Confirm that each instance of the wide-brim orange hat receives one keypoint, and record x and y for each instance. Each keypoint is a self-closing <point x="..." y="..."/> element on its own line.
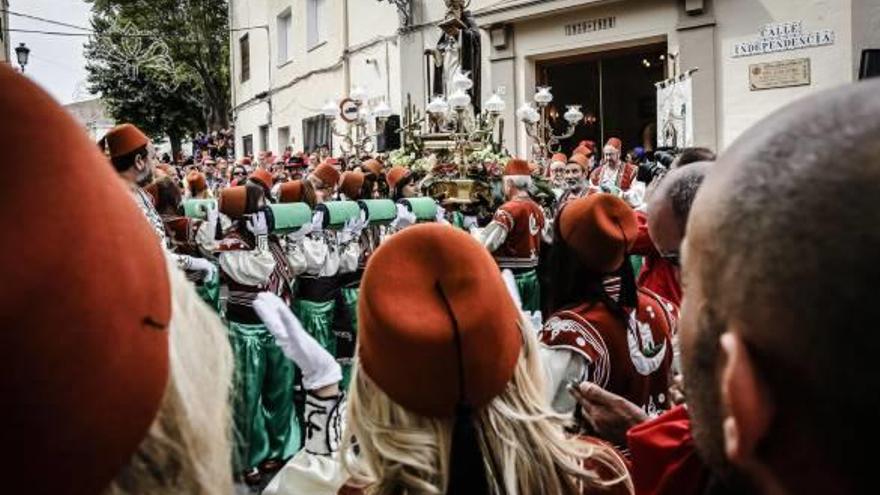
<point x="516" y="167"/>
<point x="290" y="192"/>
<point x="196" y="182"/>
<point x="427" y="292"/>
<point x="123" y="139"/>
<point x="373" y="166"/>
<point x="233" y="201"/>
<point x="600" y="229"/>
<point x="395" y="175"/>
<point x="327" y="174"/>
<point x="84" y="309"/>
<point x="351" y="184"/>
<point x="579" y="159"/>
<point x="263" y="177"/>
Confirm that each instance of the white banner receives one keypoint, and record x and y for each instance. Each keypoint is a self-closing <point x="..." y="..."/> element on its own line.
<point x="675" y="113"/>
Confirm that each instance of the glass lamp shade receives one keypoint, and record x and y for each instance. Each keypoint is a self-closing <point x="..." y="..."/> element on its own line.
<point x="460" y="80"/>
<point x="358" y="94"/>
<point x="573" y="115"/>
<point x="329" y="109"/>
<point x="543" y="95"/>
<point x="459" y="99"/>
<point x="438" y="106"/>
<point x="495" y="104"/>
<point x="383" y="111"/>
<point x="527" y="114"/>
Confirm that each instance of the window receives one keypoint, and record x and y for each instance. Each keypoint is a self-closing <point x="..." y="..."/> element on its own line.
<point x="316" y="133"/>
<point x="283" y="26"/>
<point x="389" y="140"/>
<point x="316" y="13"/>
<point x="264" y="138"/>
<point x="247" y="145"/>
<point x="244" y="48"/>
<point x="283" y="138"/>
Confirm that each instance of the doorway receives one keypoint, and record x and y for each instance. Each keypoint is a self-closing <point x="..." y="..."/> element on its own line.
<point x="615" y="90"/>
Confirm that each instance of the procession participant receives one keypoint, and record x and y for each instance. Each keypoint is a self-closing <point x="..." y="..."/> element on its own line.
<point x="616" y="177"/>
<point x="556" y="173"/>
<point x="603" y="329"/>
<point x="133" y="157"/>
<point x="197" y="186"/>
<point x="324" y="181"/>
<point x="264" y="179"/>
<point x="401" y="183"/>
<point x="575" y="178"/>
<point x="483" y="426"/>
<point x="252" y="261"/>
<point x="125" y="399"/>
<point x="352" y="186"/>
<point x="375" y="172"/>
<point x="515" y="232"/>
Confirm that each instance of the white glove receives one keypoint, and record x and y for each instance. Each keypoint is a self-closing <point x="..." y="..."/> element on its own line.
<point x="469" y="222"/>
<point x="318" y="221"/>
<point x="510" y="283"/>
<point x="404" y="218"/>
<point x="202" y="265"/>
<point x="257" y="224"/>
<point x="537" y="320"/>
<point x="213" y="216"/>
<point x="318" y="367"/>
<point x="301" y="233"/>
<point x="441" y="215"/>
<point x="347" y="234"/>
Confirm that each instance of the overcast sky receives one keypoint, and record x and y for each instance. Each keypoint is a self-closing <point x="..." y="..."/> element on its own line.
<point x="56" y="62"/>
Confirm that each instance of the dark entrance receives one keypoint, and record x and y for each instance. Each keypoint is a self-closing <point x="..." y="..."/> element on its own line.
<point x="615" y="90"/>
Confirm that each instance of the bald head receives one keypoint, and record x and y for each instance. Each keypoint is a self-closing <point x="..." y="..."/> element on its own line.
<point x="670" y="205"/>
<point x="782" y="248"/>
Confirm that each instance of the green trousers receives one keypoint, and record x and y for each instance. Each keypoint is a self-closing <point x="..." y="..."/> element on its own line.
<point x="265" y="425"/>
<point x="350" y="296"/>
<point x="529" y="290"/>
<point x="209" y="291"/>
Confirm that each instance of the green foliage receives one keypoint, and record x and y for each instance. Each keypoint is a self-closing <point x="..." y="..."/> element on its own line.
<point x="162" y="64"/>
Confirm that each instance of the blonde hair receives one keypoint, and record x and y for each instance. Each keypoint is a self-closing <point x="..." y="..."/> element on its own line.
<point x="187" y="448"/>
<point x="402" y="452"/>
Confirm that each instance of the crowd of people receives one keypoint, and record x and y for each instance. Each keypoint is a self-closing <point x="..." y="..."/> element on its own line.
<point x="704" y="328"/>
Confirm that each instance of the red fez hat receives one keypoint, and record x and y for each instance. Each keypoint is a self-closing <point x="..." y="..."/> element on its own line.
<point x="579" y="159"/>
<point x="81" y="385"/>
<point x="395" y="175"/>
<point x="123" y="139"/>
<point x="515" y="166"/>
<point x="196" y="181"/>
<point x="263" y="177"/>
<point x="373" y="166"/>
<point x="328" y="175"/>
<point x="600" y="229"/>
<point x="583" y="150"/>
<point x="590" y="145"/>
<point x="245" y="160"/>
<point x="233" y="201"/>
<point x="559" y="157"/>
<point x="351" y="185"/>
<point x="290" y="192"/>
<point x="615" y="142"/>
<point x="425" y="288"/>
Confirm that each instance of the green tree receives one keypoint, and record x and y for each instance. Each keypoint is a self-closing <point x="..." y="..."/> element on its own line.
<point x="162" y="64"/>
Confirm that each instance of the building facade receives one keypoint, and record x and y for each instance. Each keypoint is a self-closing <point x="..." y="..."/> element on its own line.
<point x="5" y="54"/>
<point x="745" y="58"/>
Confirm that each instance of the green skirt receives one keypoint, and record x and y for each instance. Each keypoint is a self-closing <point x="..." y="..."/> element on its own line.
<point x="265" y="425"/>
<point x="529" y="290"/>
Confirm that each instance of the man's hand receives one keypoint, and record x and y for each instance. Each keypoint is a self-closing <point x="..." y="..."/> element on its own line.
<point x="609" y="415"/>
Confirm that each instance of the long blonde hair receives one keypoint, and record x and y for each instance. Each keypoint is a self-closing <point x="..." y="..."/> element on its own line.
<point x="188" y="448"/>
<point x="400" y="452"/>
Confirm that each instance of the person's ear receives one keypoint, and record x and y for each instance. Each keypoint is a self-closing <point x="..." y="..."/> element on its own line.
<point x="748" y="405"/>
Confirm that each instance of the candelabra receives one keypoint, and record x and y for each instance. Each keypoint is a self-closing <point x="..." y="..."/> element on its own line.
<point x="538" y="128"/>
<point x="357" y="140"/>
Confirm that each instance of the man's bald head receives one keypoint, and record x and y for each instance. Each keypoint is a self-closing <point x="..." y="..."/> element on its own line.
<point x="782" y="249"/>
<point x="670" y="203"/>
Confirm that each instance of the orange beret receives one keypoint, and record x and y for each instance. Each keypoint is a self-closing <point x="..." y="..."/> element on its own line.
<point x="233" y="201"/>
<point x="328" y="175"/>
<point x="559" y="157"/>
<point x="600" y="229"/>
<point x="373" y="166"/>
<point x="196" y="182"/>
<point x="579" y="159"/>
<point x="81" y="384"/>
<point x="615" y="142"/>
<point x="515" y="166"/>
<point x="351" y="184"/>
<point x="263" y="177"/>
<point x="290" y="192"/>
<point x="420" y="287"/>
<point x="123" y="139"/>
<point x="395" y="175"/>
